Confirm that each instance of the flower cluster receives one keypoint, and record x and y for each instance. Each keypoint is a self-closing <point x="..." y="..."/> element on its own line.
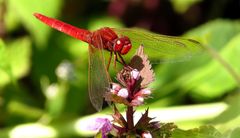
<point x="131" y="93"/>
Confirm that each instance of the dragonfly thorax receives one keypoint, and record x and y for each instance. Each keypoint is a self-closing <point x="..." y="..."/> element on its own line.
<point x="111" y="41"/>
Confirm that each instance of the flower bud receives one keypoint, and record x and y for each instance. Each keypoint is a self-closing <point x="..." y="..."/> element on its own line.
<point x="137" y="101"/>
<point x="146" y="135"/>
<point x="123" y="93"/>
<point x="115" y="88"/>
<point x="135" y="74"/>
<point x="145" y="92"/>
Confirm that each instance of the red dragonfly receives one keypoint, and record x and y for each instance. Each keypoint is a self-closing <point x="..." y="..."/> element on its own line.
<point x="120" y="42"/>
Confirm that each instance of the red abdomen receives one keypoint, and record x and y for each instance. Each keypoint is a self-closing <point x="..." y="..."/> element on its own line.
<point x="75" y="32"/>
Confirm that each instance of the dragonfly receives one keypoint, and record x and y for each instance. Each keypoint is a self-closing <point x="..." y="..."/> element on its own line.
<point x="120" y="42"/>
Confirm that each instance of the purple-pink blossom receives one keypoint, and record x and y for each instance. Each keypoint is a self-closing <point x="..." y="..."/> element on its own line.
<point x="123" y="93"/>
<point x="146" y="135"/>
<point x="144" y="92"/>
<point x="115" y="88"/>
<point x="137" y="101"/>
<point x="135" y="74"/>
<point x="101" y="124"/>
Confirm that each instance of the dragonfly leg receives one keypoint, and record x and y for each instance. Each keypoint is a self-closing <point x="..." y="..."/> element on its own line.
<point x="115" y="59"/>
<point x="109" y="61"/>
<point x="122" y="60"/>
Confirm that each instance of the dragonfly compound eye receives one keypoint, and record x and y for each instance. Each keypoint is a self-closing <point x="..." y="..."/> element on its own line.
<point x="118" y="45"/>
<point x="122" y="45"/>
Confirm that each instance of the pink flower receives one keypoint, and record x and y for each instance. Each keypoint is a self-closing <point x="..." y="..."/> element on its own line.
<point x="123" y="93"/>
<point x="115" y="88"/>
<point x="135" y="74"/>
<point x="101" y="124"/>
<point x="146" y="135"/>
<point x="137" y="101"/>
<point x="144" y="92"/>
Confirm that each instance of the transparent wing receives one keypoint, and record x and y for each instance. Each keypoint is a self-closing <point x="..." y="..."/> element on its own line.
<point x="99" y="79"/>
<point x="161" y="47"/>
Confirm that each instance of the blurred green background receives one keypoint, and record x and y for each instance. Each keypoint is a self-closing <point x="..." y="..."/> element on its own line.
<point x="43" y="73"/>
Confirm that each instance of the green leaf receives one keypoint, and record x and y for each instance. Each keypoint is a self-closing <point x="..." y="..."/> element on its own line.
<point x="56" y="98"/>
<point x="230" y="118"/>
<point x="201" y="132"/>
<point x="216" y="33"/>
<point x="213" y="80"/>
<point x="182" y="6"/>
<point x="25" y="9"/>
<point x="2" y="47"/>
<point x="231" y="112"/>
<point x="98" y="22"/>
<point x="165" y="131"/>
<point x="219" y="80"/>
<point x="19" y="108"/>
<point x="98" y="135"/>
<point x="204" y="76"/>
<point x="15" y="62"/>
<point x="235" y="133"/>
<point x="11" y="19"/>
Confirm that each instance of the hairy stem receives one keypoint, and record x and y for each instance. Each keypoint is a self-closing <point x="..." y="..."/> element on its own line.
<point x="129" y="115"/>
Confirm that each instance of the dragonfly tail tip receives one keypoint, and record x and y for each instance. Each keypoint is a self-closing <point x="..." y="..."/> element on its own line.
<point x="37" y="15"/>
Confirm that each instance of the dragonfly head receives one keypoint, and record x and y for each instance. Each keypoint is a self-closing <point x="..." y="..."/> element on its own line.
<point x="122" y="45"/>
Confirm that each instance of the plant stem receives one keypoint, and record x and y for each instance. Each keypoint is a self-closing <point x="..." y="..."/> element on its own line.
<point x="129" y="115"/>
<point x="226" y="65"/>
